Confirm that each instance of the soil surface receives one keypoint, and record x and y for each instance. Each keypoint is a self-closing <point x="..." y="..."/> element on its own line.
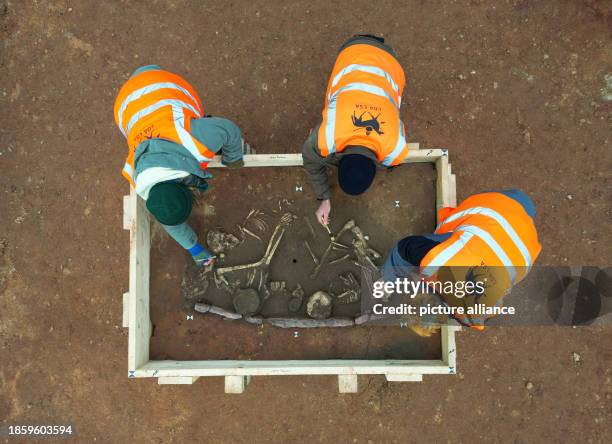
<point x="518" y="91"/>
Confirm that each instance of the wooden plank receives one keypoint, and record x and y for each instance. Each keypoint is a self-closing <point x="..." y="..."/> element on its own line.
<point x="136" y="219"/>
<point x="295" y="159"/>
<point x="424" y="155"/>
<point x="174" y="380"/>
<point x="236" y="384"/>
<point x="139" y="321"/>
<point x="127" y="213"/>
<point x="294" y="367"/>
<point x="449" y="349"/>
<point x="348" y="383"/>
<point x="453" y="190"/>
<point x="126" y="310"/>
<point x="404" y="377"/>
<point x="443" y="195"/>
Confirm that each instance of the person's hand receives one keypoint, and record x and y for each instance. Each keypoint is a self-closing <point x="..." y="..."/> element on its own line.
<point x="322" y="212"/>
<point x="203" y="258"/>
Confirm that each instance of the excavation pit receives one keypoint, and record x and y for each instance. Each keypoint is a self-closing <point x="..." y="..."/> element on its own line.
<point x="400" y="202"/>
<point x="169" y="341"/>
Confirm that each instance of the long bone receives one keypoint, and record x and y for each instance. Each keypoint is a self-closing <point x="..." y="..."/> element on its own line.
<point x="277" y="235"/>
<point x="349" y="225"/>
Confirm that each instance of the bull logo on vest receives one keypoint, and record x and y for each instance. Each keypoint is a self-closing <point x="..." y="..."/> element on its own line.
<point x="369" y="125"/>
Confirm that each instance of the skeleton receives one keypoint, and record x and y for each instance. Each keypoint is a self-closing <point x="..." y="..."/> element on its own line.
<point x="340" y="259"/>
<point x="364" y="253"/>
<point x="346" y="290"/>
<point x="348" y="297"/>
<point x="250" y="233"/>
<point x="314" y="258"/>
<point x="255" y="217"/>
<point x="263" y="264"/>
<point x="347" y="226"/>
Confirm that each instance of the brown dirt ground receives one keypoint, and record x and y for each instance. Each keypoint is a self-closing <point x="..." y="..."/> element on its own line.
<point x="512" y="89"/>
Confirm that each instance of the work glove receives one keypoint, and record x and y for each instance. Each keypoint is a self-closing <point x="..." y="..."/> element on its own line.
<point x="203" y="258"/>
<point x="197" y="182"/>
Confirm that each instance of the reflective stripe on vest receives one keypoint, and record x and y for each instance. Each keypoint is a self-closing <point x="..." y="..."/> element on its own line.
<point x="399" y="146"/>
<point x="149" y="89"/>
<point x="186" y="138"/>
<point x="520" y="245"/>
<point x="154" y="107"/>
<point x="158" y="104"/>
<point x="469" y="231"/>
<point x="366" y="80"/>
<point x="128" y="170"/>
<point x="369" y="69"/>
<point x="330" y="125"/>
<point x="445" y="255"/>
<point x="493" y="245"/>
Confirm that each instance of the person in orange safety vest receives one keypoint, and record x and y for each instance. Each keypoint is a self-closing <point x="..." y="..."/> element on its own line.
<point x="490" y="238"/>
<point x="361" y="129"/>
<point x="170" y="142"/>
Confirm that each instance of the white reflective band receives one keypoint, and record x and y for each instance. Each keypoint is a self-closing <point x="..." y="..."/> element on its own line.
<point x="371" y="89"/>
<point x="152" y="108"/>
<point x="330" y="126"/>
<point x="365" y="68"/>
<point x="493" y="245"/>
<point x="501" y="221"/>
<point x="399" y="146"/>
<point x="186" y="138"/>
<point x="128" y="169"/>
<point x="149" y="89"/>
<point x="445" y="255"/>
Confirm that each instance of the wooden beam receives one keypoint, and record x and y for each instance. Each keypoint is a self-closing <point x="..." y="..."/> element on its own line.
<point x="238" y="373"/>
<point x="126" y="310"/>
<point x="404" y="377"/>
<point x="453" y="189"/>
<point x="415" y="155"/>
<point x="127" y="212"/>
<point x="293" y="367"/>
<point x="424" y="155"/>
<point x="348" y="384"/>
<point x="443" y="194"/>
<point x="236" y="384"/>
<point x="175" y="380"/>
<point x="449" y="349"/>
<point x="138" y="307"/>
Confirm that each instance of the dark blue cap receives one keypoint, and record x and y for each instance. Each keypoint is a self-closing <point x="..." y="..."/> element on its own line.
<point x="356" y="173"/>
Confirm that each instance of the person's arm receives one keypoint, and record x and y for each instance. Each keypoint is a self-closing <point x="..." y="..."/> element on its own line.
<point x="184" y="235"/>
<point x="316" y="166"/>
<point x="221" y="135"/>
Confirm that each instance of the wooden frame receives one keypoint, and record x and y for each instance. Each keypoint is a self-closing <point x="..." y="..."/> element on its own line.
<point x="238" y="373"/>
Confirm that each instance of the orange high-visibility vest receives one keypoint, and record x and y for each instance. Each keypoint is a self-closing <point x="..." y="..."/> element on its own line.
<point x="492" y="232"/>
<point x="158" y="104"/>
<point x="362" y="105"/>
